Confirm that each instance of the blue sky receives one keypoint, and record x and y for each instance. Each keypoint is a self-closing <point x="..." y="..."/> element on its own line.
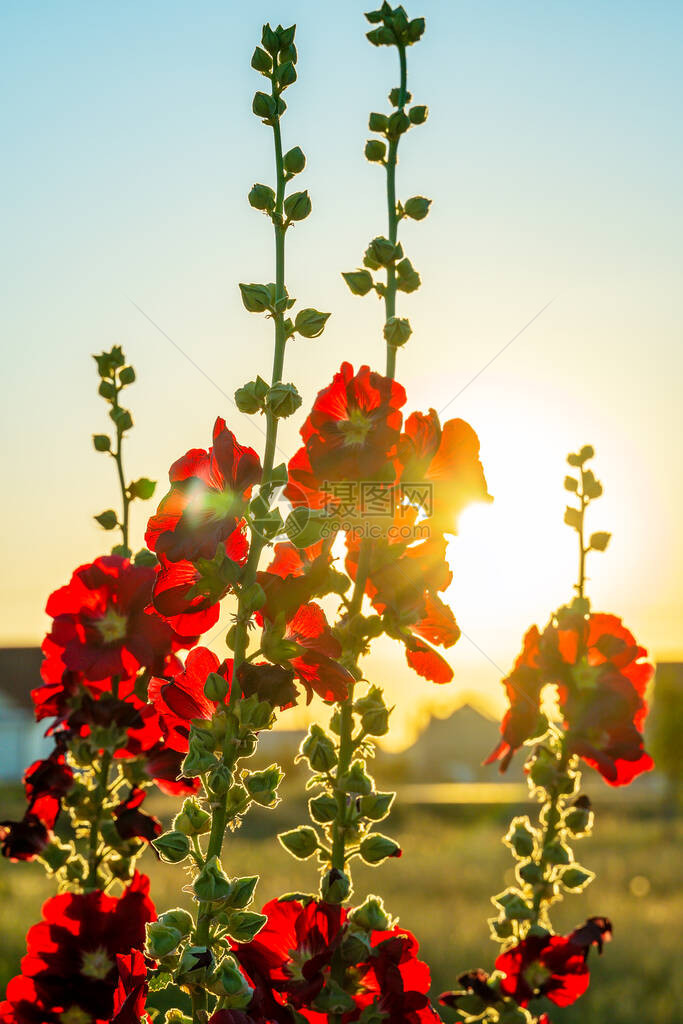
<point x="552" y="153"/>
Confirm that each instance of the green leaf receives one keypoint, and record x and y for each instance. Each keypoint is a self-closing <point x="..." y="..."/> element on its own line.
<point x="599" y="541"/>
<point x="359" y="281"/>
<point x="570" y="483"/>
<point x="107" y="520"/>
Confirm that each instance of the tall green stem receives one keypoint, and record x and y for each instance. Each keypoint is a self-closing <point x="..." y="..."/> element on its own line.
<point x="392" y="160"/>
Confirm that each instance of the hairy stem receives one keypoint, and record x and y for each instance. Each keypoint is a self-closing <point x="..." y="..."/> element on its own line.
<point x="392" y="160"/>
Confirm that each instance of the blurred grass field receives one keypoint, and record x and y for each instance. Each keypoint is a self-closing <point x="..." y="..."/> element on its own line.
<point x="453" y="862"/>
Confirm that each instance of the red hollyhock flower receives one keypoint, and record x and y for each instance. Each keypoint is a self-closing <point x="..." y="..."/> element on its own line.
<point x="133" y="823"/>
<point x="350" y="435"/>
<point x="209" y="492"/>
<point x="163" y="765"/>
<point x="289" y="962"/>
<point x="45" y="783"/>
<point x="131" y="993"/>
<point x="69" y="972"/>
<point x="179" y="700"/>
<point x="439" y="468"/>
<point x="553" y="966"/>
<point x="601" y="679"/>
<point x="101" y="626"/>
<point x="316" y="665"/>
<point x="404" y="581"/>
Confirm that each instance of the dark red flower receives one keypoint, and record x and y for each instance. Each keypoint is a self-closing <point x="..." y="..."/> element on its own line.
<point x="102" y="627"/>
<point x="553" y="966"/>
<point x="133" y="823"/>
<point x="69" y="973"/>
<point x="523" y="687"/>
<point x="131" y="993"/>
<point x="394" y="982"/>
<point x="207" y="500"/>
<point x="350" y="435"/>
<point x="163" y="765"/>
<point x="24" y="839"/>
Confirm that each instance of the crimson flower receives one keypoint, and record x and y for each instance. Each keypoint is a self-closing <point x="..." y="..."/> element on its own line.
<point x="316" y="662"/>
<point x="553" y="966"/>
<point x="102" y="627"/>
<point x="131" y="992"/>
<point x="350" y="435"/>
<point x="601" y="679"/>
<point x="394" y="982"/>
<point x="179" y="700"/>
<point x="69" y="972"/>
<point x="207" y="499"/>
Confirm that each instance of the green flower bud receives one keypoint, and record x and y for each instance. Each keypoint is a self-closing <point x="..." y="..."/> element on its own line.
<point x="418" y="115"/>
<point x="193" y="966"/>
<point x="178" y="919"/>
<point x="107" y="520"/>
<point x="173" y="847"/>
<point x="579" y="817"/>
<point x="319" y="750"/>
<point x="375" y="848"/>
<point x="297" y="206"/>
<point x="286" y="74"/>
<point x="378" y="122"/>
<point x="286" y="36"/>
<point x="417" y="207"/>
<point x="55" y="855"/>
<point x="262" y="785"/>
<point x="198" y="759"/>
<point x="237" y="801"/>
<point x="143" y="488"/>
<point x="262" y="198"/>
<point x="229" y="983"/>
<point x="335" y="886"/>
<point x="106" y="390"/>
<point x="576" y="878"/>
<point x="127" y="375"/>
<point x="122" y="418"/>
<point x="376" y="806"/>
<point x="399" y="122"/>
<point x="122" y="867"/>
<point x="359" y="281"/>
<point x="193" y="820"/>
<point x="101" y="442"/>
<point x="242" y="892"/>
<point x="283" y="400"/>
<point x="408" y="277"/>
<point x="556" y="853"/>
<point x="323" y="808"/>
<point x="375" y="150"/>
<point x="264" y="106"/>
<point x="161" y="940"/>
<point x="212" y="884"/>
<point x="251" y="397"/>
<point x="270" y="40"/>
<point x="397" y="330"/>
<point x="374" y="712"/>
<point x="371" y="915"/>
<point x="216" y="687"/>
<point x="294" y="161"/>
<point x="395" y="95"/>
<point x="261" y="62"/>
<point x="301" y="842"/>
<point x="384" y="251"/>
<point x="306" y="526"/>
<point x="530" y="872"/>
<point x="245" y="924"/>
<point x="521" y="837"/>
<point x="501" y="928"/>
<point x="310" y="323"/>
<point x="256" y="298"/>
<point x="381" y="36"/>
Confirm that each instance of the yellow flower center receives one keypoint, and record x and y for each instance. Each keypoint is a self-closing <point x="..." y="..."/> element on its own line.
<point x="536" y="974"/>
<point x="112" y="626"/>
<point x="75" y="1015"/>
<point x="96" y="964"/>
<point x="356" y="428"/>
